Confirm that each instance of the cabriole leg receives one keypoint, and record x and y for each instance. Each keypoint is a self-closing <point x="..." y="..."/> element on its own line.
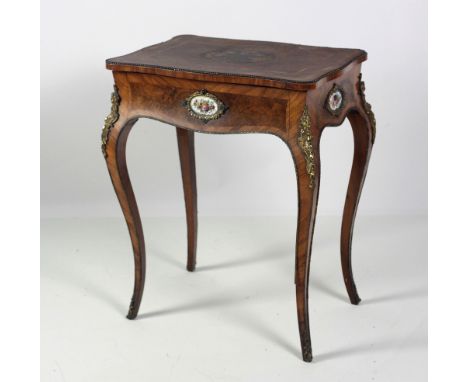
<point x="114" y="141"/>
<point x="363" y="132"/>
<point x="185" y="140"/>
<point x="305" y="151"/>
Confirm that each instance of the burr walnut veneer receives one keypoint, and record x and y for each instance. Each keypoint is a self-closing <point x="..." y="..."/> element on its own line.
<point x="212" y="85"/>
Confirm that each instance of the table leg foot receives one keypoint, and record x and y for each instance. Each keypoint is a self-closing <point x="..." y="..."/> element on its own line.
<point x="303" y="319"/>
<point x="132" y="312"/>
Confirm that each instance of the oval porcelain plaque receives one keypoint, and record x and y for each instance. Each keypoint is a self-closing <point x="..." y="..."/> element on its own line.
<point x="204" y="106"/>
<point x="335" y="100"/>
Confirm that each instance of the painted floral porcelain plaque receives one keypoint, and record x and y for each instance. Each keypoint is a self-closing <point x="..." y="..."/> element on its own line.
<point x="335" y="100"/>
<point x="204" y="106"/>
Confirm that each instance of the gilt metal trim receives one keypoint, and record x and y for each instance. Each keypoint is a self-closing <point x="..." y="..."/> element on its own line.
<point x="305" y="142"/>
<point x="131" y="309"/>
<point x="367" y="107"/>
<point x="305" y="343"/>
<point x="110" y="120"/>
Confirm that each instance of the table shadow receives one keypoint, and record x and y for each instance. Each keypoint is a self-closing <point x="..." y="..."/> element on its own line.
<point x="371" y="347"/>
<point x="248" y="322"/>
<point x="266" y="255"/>
<point x="397" y="296"/>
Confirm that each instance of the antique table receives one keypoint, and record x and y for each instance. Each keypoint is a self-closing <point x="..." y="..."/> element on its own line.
<point x="212" y="85"/>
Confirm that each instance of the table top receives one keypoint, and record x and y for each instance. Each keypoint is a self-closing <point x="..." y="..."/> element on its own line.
<point x="262" y="63"/>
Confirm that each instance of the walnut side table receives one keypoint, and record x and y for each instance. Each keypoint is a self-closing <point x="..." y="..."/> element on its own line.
<point x="212" y="85"/>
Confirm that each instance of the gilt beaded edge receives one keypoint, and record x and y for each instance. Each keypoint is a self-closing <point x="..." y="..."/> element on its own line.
<point x="110" y="120"/>
<point x="305" y="142"/>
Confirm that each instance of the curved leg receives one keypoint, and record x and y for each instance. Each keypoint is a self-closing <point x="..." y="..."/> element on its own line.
<point x="114" y="152"/>
<point x="185" y="140"/>
<point x="305" y="151"/>
<point x="363" y="137"/>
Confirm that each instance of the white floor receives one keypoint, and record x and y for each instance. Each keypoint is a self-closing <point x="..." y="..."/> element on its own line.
<point x="234" y="319"/>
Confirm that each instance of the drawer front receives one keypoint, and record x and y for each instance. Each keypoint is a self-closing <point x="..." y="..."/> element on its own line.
<point x="204" y="106"/>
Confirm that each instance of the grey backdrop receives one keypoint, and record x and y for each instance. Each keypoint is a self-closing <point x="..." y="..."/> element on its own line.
<point x="237" y="175"/>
